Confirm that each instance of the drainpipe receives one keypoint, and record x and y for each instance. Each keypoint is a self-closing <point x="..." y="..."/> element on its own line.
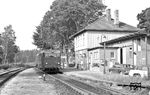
<point x="133" y="50"/>
<point x="104" y="58"/>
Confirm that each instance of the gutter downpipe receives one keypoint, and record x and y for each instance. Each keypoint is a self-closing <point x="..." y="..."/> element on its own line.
<point x="104" y="58"/>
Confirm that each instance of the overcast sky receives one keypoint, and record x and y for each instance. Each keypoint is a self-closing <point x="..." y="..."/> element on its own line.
<point x="24" y="15"/>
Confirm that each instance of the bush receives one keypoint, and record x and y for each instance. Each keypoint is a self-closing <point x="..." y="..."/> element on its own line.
<point x="23" y="65"/>
<point x="71" y="65"/>
<point x="95" y="65"/>
<point x="4" y="66"/>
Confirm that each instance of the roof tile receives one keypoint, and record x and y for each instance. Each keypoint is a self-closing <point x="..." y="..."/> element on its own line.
<point x="103" y="24"/>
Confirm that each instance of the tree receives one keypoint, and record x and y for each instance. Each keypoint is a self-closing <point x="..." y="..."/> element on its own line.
<point x="65" y="18"/>
<point x="144" y="20"/>
<point x="26" y="56"/>
<point x="37" y="39"/>
<point x="1" y="49"/>
<point x="8" y="44"/>
<point x="69" y="16"/>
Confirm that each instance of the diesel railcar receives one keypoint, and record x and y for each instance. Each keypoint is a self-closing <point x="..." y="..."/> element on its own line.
<point x="49" y="61"/>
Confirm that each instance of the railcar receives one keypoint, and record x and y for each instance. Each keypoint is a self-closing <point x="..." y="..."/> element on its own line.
<point x="49" y="61"/>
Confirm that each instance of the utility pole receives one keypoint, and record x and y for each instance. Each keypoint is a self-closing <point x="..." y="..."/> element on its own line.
<point x="104" y="45"/>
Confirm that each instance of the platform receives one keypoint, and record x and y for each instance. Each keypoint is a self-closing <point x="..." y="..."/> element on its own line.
<point x="28" y="82"/>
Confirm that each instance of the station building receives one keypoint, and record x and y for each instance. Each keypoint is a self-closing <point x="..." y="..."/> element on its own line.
<point x="88" y="50"/>
<point x="132" y="49"/>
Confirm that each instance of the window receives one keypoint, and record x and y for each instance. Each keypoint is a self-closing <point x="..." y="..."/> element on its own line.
<point x="90" y="55"/>
<point x="83" y="40"/>
<point x="77" y="42"/>
<point x="139" y="41"/>
<point x="104" y="38"/>
<point x="98" y="40"/>
<point x="112" y="55"/>
<point x="95" y="55"/>
<point x="130" y="52"/>
<point x="139" y="44"/>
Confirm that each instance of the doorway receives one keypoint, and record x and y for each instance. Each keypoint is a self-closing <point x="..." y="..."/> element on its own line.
<point x="121" y="56"/>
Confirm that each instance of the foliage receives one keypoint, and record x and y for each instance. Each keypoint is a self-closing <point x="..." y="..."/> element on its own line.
<point x="1" y="53"/>
<point x="144" y="19"/>
<point x="37" y="39"/>
<point x="26" y="56"/>
<point x="4" y="66"/>
<point x="9" y="49"/>
<point x="65" y="18"/>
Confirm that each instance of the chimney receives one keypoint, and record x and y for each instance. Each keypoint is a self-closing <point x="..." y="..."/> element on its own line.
<point x="116" y="17"/>
<point x="108" y="15"/>
<point x="103" y="1"/>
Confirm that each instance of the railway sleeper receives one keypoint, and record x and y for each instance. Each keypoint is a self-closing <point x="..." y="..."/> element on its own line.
<point x="106" y="84"/>
<point x="77" y="90"/>
<point x="71" y="88"/>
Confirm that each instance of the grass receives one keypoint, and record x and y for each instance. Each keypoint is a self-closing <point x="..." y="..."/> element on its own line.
<point x="125" y="79"/>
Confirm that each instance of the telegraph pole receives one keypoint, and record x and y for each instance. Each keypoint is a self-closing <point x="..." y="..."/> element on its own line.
<point x="104" y="48"/>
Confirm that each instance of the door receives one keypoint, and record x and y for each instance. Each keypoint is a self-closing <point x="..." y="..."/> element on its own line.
<point x="121" y="56"/>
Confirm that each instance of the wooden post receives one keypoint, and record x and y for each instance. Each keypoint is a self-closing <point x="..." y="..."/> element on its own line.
<point x="146" y="60"/>
<point x="44" y="77"/>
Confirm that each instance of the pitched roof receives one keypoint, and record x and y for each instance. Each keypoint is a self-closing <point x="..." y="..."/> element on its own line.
<point x="125" y="38"/>
<point x="103" y="25"/>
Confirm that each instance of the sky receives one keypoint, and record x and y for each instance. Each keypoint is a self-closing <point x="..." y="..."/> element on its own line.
<point x="25" y="15"/>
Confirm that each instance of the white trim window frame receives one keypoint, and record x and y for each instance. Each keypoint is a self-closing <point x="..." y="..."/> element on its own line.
<point x="112" y="55"/>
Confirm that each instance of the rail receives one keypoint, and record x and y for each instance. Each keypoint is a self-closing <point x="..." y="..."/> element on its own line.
<point x="4" y="77"/>
<point x="84" y="88"/>
<point x="1" y="74"/>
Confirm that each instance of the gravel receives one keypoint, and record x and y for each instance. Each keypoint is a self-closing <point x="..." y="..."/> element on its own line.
<point x="61" y="89"/>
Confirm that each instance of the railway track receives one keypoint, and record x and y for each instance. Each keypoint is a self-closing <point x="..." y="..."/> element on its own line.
<point x="4" y="77"/>
<point x="83" y="88"/>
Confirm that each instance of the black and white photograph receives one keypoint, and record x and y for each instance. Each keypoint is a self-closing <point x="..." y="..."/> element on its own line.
<point x="74" y="47"/>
